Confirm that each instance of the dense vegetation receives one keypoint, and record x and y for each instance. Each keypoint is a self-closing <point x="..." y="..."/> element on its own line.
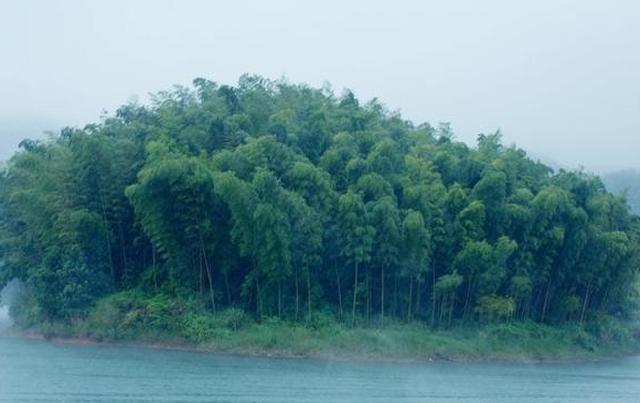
<point x="276" y="200"/>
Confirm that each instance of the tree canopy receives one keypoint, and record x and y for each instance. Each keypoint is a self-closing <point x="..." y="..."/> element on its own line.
<point x="251" y="196"/>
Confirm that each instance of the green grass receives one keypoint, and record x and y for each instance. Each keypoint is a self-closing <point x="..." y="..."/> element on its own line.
<point x="134" y="317"/>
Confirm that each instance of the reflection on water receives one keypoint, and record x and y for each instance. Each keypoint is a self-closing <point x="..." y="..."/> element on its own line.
<point x="37" y="371"/>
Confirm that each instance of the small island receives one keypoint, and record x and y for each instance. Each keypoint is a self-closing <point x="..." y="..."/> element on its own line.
<point x="279" y="219"/>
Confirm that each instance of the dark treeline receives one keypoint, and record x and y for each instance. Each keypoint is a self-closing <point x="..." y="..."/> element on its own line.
<point x="285" y="200"/>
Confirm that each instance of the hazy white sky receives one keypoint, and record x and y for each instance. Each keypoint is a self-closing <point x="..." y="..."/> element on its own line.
<point x="559" y="78"/>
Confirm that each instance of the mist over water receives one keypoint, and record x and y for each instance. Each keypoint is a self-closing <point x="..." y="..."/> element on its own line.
<point x="8" y="296"/>
<point x="37" y="371"/>
<point x="5" y="319"/>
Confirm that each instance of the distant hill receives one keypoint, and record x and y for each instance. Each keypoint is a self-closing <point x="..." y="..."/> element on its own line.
<point x="14" y="130"/>
<point x="627" y="180"/>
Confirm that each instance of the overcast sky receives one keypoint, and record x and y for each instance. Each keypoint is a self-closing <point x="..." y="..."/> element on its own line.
<point x="559" y="78"/>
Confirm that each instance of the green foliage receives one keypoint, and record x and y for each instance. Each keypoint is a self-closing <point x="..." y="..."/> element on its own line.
<point x="233" y="318"/>
<point x="121" y="316"/>
<point x="132" y="314"/>
<point x="626" y="183"/>
<point x="203" y="327"/>
<point x="274" y="200"/>
<point x="494" y="308"/>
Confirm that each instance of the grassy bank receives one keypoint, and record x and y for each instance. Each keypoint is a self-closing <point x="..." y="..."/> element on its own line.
<point x="133" y="317"/>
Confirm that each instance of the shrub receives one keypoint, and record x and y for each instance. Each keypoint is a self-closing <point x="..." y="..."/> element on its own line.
<point x="233" y="318"/>
<point x="607" y="330"/>
<point x="159" y="312"/>
<point x="495" y="308"/>
<point x="197" y="327"/>
<point x="321" y="320"/>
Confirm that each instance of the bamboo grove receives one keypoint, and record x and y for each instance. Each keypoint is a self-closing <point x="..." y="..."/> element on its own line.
<point x="285" y="200"/>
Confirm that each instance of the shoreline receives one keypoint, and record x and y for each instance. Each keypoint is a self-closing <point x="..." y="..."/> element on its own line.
<point x="334" y="353"/>
<point x="202" y="348"/>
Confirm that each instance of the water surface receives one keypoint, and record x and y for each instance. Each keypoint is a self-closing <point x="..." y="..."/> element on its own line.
<point x="40" y="371"/>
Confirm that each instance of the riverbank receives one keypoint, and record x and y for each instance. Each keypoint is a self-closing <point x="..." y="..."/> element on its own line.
<point x="508" y="342"/>
<point x="170" y="322"/>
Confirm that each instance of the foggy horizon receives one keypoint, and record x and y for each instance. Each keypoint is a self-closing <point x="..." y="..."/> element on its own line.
<point x="560" y="81"/>
<point x="270" y="219"/>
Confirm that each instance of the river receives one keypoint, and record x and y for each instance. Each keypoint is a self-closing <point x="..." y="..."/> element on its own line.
<point x="40" y="371"/>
